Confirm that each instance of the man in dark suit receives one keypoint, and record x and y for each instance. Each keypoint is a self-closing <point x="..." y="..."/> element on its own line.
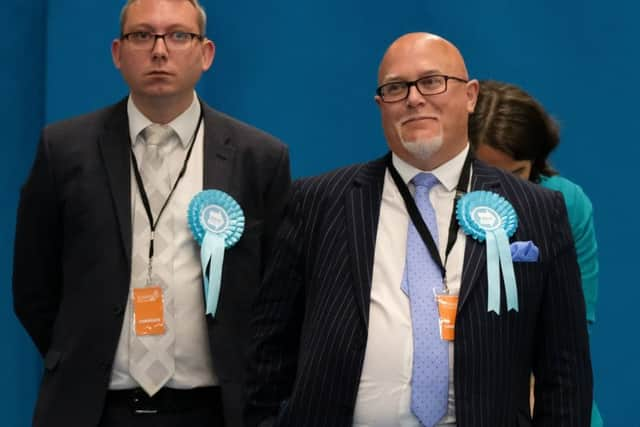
<point x="340" y="331"/>
<point x="84" y="260"/>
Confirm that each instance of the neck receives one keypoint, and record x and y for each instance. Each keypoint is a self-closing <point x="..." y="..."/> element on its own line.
<point x="162" y="110"/>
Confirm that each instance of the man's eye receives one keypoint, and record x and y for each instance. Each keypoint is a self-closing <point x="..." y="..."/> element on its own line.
<point x="430" y="82"/>
<point x="141" y="35"/>
<point x="393" y="88"/>
<point x="180" y="36"/>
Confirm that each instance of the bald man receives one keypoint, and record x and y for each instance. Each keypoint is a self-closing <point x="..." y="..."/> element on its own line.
<point x="347" y="326"/>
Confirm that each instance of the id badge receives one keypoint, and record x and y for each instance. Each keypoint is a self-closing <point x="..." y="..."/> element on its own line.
<point x="447" y="309"/>
<point x="148" y="311"/>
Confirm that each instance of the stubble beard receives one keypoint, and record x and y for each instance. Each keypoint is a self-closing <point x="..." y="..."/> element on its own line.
<point x="423" y="149"/>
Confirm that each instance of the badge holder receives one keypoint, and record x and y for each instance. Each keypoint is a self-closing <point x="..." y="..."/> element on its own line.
<point x="447" y="309"/>
<point x="148" y="316"/>
<point x="148" y="309"/>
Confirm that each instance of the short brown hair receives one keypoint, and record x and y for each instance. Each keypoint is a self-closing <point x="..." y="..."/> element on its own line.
<point x="512" y="121"/>
<point x="202" y="15"/>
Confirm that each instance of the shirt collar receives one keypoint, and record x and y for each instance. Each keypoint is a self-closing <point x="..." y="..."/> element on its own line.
<point x="447" y="173"/>
<point x="184" y="125"/>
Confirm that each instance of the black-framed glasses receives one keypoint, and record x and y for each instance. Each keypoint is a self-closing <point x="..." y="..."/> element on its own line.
<point x="428" y="85"/>
<point x="174" y="40"/>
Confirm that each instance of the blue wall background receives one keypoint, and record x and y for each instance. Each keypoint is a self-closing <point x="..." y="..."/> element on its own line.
<point x="307" y="73"/>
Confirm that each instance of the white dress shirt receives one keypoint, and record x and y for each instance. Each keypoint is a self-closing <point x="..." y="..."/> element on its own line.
<point x="193" y="367"/>
<point x="384" y="395"/>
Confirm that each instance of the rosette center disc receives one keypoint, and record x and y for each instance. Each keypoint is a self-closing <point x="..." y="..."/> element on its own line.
<point x="215" y="219"/>
<point x="487" y="218"/>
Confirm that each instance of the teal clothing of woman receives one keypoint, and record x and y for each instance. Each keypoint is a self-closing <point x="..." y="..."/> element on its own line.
<point x="580" y="213"/>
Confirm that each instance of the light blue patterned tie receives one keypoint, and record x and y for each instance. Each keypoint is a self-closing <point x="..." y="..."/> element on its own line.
<point x="430" y="376"/>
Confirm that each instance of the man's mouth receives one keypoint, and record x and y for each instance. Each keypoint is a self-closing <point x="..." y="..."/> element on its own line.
<point x="416" y="119"/>
<point x="158" y="73"/>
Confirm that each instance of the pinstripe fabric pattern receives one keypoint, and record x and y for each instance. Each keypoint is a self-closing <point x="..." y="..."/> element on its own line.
<point x="311" y="316"/>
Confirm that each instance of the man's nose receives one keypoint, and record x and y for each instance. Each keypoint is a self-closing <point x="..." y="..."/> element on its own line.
<point x="414" y="97"/>
<point x="159" y="49"/>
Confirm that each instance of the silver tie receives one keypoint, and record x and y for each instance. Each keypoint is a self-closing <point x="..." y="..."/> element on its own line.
<point x="151" y="357"/>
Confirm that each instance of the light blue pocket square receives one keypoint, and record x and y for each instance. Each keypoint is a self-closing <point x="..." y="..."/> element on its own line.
<point x="524" y="251"/>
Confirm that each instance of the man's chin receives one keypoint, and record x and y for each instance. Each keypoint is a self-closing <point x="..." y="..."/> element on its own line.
<point x="423" y="150"/>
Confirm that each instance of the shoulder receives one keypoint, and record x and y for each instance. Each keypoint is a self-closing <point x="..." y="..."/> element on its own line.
<point x="561" y="184"/>
<point x="317" y="192"/>
<point x="242" y="134"/>
<point x="86" y="124"/>
<point x="73" y="141"/>
<point x="579" y="207"/>
<point x="542" y="212"/>
<point x="574" y="196"/>
<point x="338" y="180"/>
<point x="523" y="191"/>
<point x="535" y="205"/>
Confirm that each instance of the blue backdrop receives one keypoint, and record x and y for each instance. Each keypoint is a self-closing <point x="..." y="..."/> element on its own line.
<point x="307" y="72"/>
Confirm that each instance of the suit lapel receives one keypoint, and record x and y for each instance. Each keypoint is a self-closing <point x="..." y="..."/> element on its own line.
<point x="475" y="262"/>
<point x="219" y="152"/>
<point x="362" y="208"/>
<point x="114" y="145"/>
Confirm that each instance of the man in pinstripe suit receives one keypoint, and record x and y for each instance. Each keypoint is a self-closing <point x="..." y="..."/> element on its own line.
<point x="333" y="328"/>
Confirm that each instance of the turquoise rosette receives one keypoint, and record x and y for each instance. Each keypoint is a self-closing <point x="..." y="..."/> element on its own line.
<point x="487" y="216"/>
<point x="217" y="223"/>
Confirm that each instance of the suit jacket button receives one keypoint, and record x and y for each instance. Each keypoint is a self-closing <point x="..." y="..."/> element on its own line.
<point x="118" y="310"/>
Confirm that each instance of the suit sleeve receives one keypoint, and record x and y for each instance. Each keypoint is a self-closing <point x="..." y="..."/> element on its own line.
<point x="276" y="197"/>
<point x="562" y="365"/>
<point x="37" y="270"/>
<point x="276" y="319"/>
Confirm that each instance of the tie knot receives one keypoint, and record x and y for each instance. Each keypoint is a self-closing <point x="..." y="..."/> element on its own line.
<point x="155" y="134"/>
<point x="425" y="180"/>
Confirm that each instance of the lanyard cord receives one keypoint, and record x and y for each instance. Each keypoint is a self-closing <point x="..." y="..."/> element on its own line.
<point x="143" y="193"/>
<point x="416" y="217"/>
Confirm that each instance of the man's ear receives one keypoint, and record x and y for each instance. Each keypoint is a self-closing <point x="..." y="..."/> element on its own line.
<point x="473" y="87"/>
<point x="116" y="45"/>
<point x="208" y="54"/>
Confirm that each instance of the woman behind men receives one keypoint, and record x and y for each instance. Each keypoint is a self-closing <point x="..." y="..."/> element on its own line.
<point x="510" y="129"/>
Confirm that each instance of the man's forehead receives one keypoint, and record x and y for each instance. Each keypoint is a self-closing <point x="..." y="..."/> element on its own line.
<point x="421" y="57"/>
<point x="150" y="7"/>
<point x="147" y="12"/>
<point x="413" y="66"/>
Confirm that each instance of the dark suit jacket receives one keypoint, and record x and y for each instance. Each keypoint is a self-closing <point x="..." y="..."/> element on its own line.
<point x="72" y="258"/>
<point x="311" y="316"/>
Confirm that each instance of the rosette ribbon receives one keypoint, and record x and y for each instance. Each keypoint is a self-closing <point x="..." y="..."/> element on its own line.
<point x="217" y="223"/>
<point x="487" y="216"/>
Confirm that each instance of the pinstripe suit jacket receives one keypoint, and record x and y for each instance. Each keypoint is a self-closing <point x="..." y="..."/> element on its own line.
<point x="311" y="318"/>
